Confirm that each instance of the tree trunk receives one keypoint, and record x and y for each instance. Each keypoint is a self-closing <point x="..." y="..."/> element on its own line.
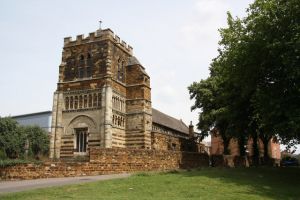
<point x="266" y="153"/>
<point x="226" y="145"/>
<point x="241" y="143"/>
<point x="265" y="139"/>
<point x="255" y="157"/>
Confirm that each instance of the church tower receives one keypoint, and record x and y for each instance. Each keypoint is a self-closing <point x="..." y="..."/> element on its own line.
<point x="103" y="97"/>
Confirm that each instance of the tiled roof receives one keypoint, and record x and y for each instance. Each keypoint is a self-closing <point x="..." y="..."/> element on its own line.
<point x="134" y="61"/>
<point x="168" y="121"/>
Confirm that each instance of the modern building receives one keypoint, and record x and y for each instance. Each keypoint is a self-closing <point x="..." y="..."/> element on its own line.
<point x="41" y="119"/>
<point x="103" y="99"/>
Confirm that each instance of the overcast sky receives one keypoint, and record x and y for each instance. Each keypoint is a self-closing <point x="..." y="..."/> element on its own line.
<point x="174" y="40"/>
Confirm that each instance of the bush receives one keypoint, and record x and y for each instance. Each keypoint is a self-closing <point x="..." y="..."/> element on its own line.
<point x="13" y="162"/>
<point x="2" y="155"/>
<point x="38" y="141"/>
<point x="217" y="161"/>
<point x="12" y="138"/>
<point x="15" y="140"/>
<point x="7" y="163"/>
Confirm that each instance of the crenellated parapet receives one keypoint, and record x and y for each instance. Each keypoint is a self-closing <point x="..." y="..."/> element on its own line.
<point x="99" y="35"/>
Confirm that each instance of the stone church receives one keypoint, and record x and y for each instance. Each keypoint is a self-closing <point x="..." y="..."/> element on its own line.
<point x="103" y="99"/>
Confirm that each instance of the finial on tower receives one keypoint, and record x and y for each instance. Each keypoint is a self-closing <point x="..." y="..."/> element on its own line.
<point x="100" y="22"/>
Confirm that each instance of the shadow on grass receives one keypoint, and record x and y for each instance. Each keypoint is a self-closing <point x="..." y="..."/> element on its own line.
<point x="275" y="183"/>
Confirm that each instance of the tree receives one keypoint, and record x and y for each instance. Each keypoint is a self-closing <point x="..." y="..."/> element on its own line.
<point x="38" y="140"/>
<point x="12" y="138"/>
<point x="253" y="86"/>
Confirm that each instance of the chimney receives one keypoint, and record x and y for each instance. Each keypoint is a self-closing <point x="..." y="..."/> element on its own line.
<point x="191" y="130"/>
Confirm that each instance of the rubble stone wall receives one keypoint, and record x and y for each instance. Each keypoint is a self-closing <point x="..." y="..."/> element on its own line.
<point x="109" y="161"/>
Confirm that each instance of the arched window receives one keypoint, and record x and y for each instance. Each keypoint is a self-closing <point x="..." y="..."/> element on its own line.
<point x="89" y="66"/>
<point x="76" y="102"/>
<point x="119" y="121"/>
<point x="99" y="99"/>
<point x="85" y="101"/>
<point x="119" y="70"/>
<point x="81" y="61"/>
<point x="80" y="102"/>
<point x="122" y="74"/>
<point x="89" y="56"/>
<point x="89" y="71"/>
<point x="71" y="103"/>
<point x="67" y="103"/>
<point x="81" y="67"/>
<point x="90" y="100"/>
<point x="80" y="72"/>
<point x="95" y="101"/>
<point x="113" y="102"/>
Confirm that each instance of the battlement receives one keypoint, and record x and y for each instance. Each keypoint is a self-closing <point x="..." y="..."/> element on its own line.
<point x="98" y="36"/>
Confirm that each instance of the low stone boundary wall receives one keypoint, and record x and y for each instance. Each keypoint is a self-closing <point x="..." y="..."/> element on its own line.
<point x="108" y="161"/>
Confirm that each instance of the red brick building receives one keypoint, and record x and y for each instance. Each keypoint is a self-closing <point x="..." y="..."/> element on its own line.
<point x="217" y="147"/>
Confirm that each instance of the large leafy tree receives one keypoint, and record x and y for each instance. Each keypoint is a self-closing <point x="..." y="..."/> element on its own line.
<point x="12" y="138"/>
<point x="37" y="139"/>
<point x="15" y="138"/>
<point x="254" y="82"/>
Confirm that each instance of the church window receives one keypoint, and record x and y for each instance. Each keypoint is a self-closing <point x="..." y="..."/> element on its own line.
<point x="95" y="101"/>
<point x="76" y="102"/>
<point x="85" y="101"/>
<point x="80" y="72"/>
<point x="81" y="140"/>
<point x="122" y="74"/>
<point x="113" y="102"/>
<point x="89" y="59"/>
<point x="81" y="61"/>
<point x="89" y="67"/>
<point x="88" y="71"/>
<point x="120" y="71"/>
<point x="119" y="121"/>
<point x="67" y="103"/>
<point x="80" y="102"/>
<point x="71" y="102"/>
<point x="90" y="100"/>
<point x="99" y="99"/>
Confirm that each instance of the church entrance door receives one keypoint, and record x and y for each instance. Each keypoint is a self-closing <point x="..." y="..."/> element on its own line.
<point x="81" y="140"/>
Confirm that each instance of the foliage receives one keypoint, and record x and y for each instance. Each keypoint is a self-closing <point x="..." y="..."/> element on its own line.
<point x="13" y="162"/>
<point x="15" y="140"/>
<point x="12" y="138"/>
<point x="253" y="87"/>
<point x="38" y="140"/>
<point x="10" y="162"/>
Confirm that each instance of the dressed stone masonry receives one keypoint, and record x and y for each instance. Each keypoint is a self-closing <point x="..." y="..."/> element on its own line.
<point x="103" y="99"/>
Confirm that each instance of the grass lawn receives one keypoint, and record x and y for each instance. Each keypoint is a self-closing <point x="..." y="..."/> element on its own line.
<point x="207" y="183"/>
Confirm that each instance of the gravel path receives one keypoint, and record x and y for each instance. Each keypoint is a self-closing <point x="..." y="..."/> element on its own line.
<point x="17" y="186"/>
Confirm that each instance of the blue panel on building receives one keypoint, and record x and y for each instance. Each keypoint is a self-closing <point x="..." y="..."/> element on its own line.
<point x="41" y="119"/>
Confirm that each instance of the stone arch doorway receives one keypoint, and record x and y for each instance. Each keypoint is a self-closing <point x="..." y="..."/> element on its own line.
<point x="80" y="127"/>
<point x="81" y="138"/>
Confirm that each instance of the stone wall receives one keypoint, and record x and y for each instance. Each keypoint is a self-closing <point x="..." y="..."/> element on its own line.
<point x="109" y="161"/>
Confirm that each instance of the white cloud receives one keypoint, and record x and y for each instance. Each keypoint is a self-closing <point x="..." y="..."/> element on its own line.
<point x="201" y="28"/>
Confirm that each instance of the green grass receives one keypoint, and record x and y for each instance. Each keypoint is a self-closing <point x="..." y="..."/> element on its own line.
<point x="208" y="183"/>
